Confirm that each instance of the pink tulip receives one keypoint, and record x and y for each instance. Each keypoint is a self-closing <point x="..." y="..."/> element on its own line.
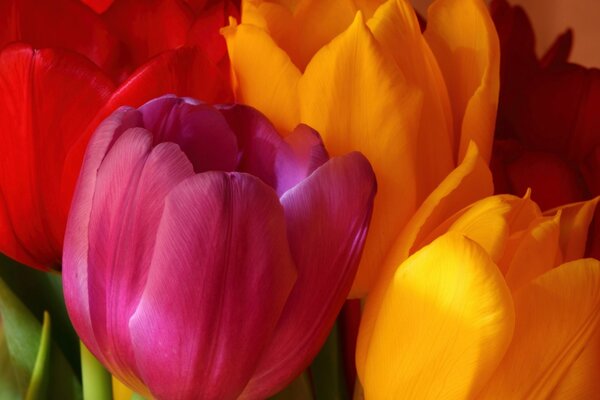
<point x="206" y="257"/>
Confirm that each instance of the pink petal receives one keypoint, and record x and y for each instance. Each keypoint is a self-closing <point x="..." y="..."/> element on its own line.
<point x="219" y="278"/>
<point x="200" y="130"/>
<point x="327" y="218"/>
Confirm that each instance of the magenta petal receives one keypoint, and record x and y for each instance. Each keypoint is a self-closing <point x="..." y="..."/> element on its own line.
<point x="280" y="163"/>
<point x="219" y="279"/>
<point x="327" y="217"/>
<point x="200" y="130"/>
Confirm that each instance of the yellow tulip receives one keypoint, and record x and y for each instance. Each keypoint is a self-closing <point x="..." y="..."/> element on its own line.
<point x="362" y="74"/>
<point x="488" y="300"/>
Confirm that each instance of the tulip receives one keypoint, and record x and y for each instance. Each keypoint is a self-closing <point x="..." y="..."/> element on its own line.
<point x="484" y="299"/>
<point x="53" y="99"/>
<point x="206" y="257"/>
<point x="365" y="77"/>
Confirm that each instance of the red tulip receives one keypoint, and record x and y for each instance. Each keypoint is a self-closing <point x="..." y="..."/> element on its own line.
<point x="547" y="131"/>
<point x="53" y="99"/>
<point x="207" y="257"/>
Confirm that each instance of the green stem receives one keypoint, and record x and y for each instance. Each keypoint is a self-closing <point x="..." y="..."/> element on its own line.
<point x="97" y="383"/>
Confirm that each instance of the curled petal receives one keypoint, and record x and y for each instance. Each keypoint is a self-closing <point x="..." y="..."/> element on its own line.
<point x="327" y="218"/>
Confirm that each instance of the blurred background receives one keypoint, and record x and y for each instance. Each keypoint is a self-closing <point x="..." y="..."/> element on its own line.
<point x="552" y="17"/>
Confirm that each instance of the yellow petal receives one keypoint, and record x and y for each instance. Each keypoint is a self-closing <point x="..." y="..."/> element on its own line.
<point x="443" y="327"/>
<point x="556" y="316"/>
<point x="470" y="181"/>
<point x="120" y="390"/>
<point x="574" y="224"/>
<point x="357" y="99"/>
<point x="464" y="41"/>
<point x="581" y="380"/>
<point x="396" y="28"/>
<point x="535" y="253"/>
<point x="263" y="75"/>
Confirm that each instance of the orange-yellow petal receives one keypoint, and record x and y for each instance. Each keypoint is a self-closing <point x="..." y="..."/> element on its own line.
<point x="302" y="30"/>
<point x="396" y="28"/>
<point x="556" y="317"/>
<point x="464" y="41"/>
<point x="469" y="182"/>
<point x="120" y="390"/>
<point x="574" y="224"/>
<point x="354" y="95"/>
<point x="536" y="252"/>
<point x="263" y="75"/>
<point x="444" y="325"/>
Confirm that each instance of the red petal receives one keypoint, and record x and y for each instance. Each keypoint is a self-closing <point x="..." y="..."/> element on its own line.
<point x="559" y="52"/>
<point x="59" y="23"/>
<point x="553" y="181"/>
<point x="149" y="27"/>
<point x="98" y="6"/>
<point x="47" y="98"/>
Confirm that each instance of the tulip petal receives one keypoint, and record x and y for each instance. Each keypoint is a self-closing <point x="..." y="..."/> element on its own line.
<point x="132" y="183"/>
<point x="279" y="162"/>
<point x="444" y="325"/>
<point x="221" y="273"/>
<point x="396" y="28"/>
<point x="470" y="181"/>
<point x="462" y="36"/>
<point x="574" y="225"/>
<point x="357" y="99"/>
<point x="76" y="249"/>
<point x="99" y="6"/>
<point x="59" y="23"/>
<point x="556" y="316"/>
<point x="149" y="27"/>
<point x="327" y="218"/>
<point x="536" y="252"/>
<point x="201" y="132"/>
<point x="263" y="75"/>
<point x="46" y="99"/>
<point x="303" y="30"/>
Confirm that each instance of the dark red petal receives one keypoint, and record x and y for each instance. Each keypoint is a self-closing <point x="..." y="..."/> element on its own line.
<point x="553" y="180"/>
<point x="220" y="276"/>
<point x="59" y="23"/>
<point x="590" y="169"/>
<point x="149" y="27"/>
<point x="327" y="218"/>
<point x="559" y="52"/>
<point x="99" y="6"/>
<point x="47" y="98"/>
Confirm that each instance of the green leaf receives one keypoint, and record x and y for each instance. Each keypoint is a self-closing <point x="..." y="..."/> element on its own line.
<point x="40" y="291"/>
<point x="97" y="381"/>
<point x="26" y="344"/>
<point x="9" y="387"/>
<point x="38" y="385"/>
<point x="327" y="370"/>
<point x="299" y="389"/>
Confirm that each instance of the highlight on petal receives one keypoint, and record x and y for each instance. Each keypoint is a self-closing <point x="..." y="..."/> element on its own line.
<point x="462" y="36"/>
<point x="226" y="234"/>
<point x="327" y="217"/>
<point x="445" y="323"/>
<point x="47" y="98"/>
<point x="270" y="87"/>
<point x="556" y="317"/>
<point x="355" y="96"/>
<point x="396" y="27"/>
<point x="470" y="181"/>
